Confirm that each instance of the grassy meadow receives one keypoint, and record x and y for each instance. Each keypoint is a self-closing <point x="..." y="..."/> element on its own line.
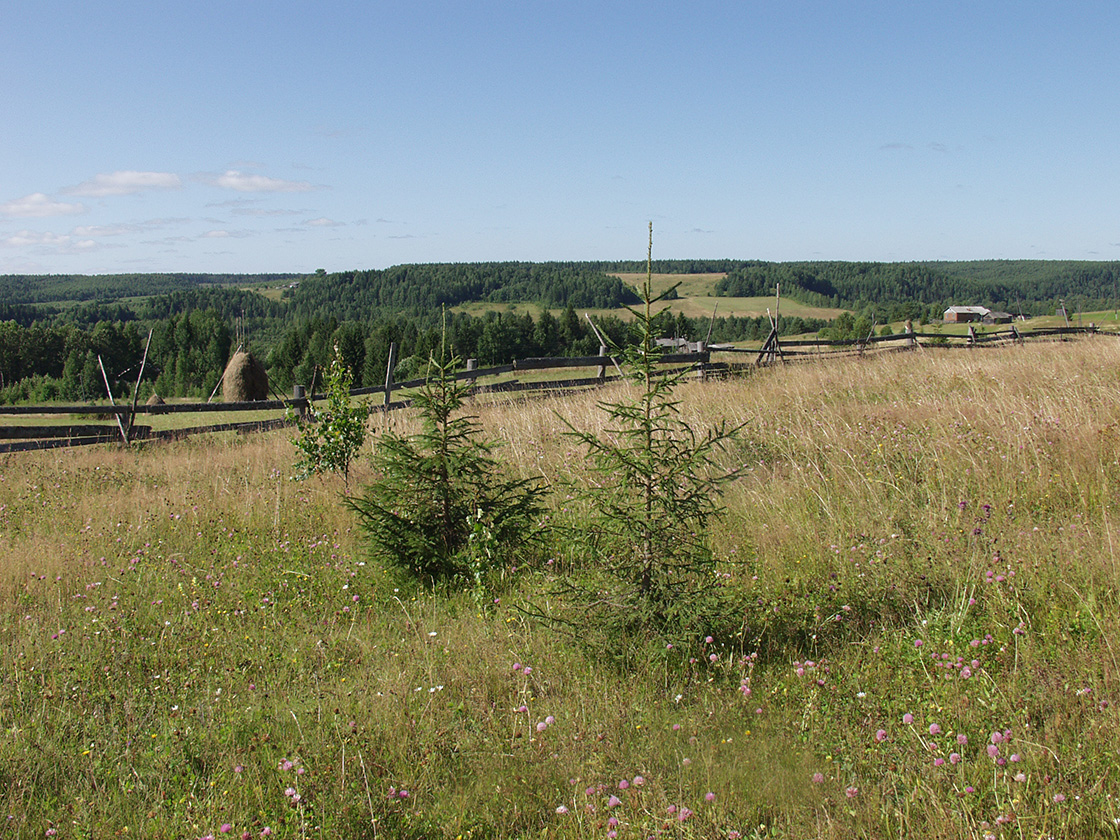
<point x="922" y="632"/>
<point x="695" y="300"/>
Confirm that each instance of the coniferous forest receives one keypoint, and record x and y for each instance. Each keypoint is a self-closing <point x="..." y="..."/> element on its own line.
<point x="54" y="328"/>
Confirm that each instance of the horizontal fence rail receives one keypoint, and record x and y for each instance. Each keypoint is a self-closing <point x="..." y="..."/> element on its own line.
<point x="17" y="438"/>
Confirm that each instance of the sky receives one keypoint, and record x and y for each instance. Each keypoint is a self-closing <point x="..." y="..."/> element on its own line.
<point x="288" y="136"/>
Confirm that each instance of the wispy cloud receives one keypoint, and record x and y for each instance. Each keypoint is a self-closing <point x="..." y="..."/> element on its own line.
<point x="895" y="147"/>
<point x="106" y="230"/>
<point x="260" y="211"/>
<point x="126" y="182"/>
<point x="47" y="242"/>
<point x="324" y="222"/>
<point x="226" y="234"/>
<point x="234" y="179"/>
<point x="39" y="206"/>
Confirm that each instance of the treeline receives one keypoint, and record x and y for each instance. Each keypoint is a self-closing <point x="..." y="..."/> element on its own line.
<point x="49" y="344"/>
<point x="190" y="347"/>
<point x="49" y="288"/>
<point x="352" y="295"/>
<point x="922" y="291"/>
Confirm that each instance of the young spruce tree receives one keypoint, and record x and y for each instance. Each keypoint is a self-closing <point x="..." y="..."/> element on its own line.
<point x="441" y="509"/>
<point x="657" y="490"/>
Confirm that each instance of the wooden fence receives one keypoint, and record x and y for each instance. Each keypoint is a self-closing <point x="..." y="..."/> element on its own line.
<point x="732" y="361"/>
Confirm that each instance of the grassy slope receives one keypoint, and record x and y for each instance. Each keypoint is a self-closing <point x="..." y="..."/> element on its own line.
<point x="180" y="623"/>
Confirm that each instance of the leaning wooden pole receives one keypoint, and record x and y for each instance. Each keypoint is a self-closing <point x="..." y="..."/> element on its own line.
<point x="139" y="376"/>
<point x="109" y="391"/>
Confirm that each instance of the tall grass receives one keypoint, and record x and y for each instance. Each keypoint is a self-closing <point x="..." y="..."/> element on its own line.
<point x="923" y="548"/>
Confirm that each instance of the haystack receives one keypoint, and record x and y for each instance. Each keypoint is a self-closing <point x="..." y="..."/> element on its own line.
<point x="245" y="379"/>
<point x="155" y="399"/>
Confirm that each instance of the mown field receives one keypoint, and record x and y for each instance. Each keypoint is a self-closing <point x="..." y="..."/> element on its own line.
<point x="695" y="300"/>
<point x="921" y="635"/>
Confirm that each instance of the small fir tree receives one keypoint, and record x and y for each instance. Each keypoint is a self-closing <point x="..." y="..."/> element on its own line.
<point x="658" y="489"/>
<point x="441" y="508"/>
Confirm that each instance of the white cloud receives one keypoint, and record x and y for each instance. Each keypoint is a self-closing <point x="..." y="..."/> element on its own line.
<point x="126" y="182"/>
<point x="257" y="211"/>
<point x="105" y="230"/>
<point x="39" y="206"/>
<point x="244" y="182"/>
<point x="45" y="241"/>
<point x="25" y="238"/>
<point x="225" y="234"/>
<point x="324" y="222"/>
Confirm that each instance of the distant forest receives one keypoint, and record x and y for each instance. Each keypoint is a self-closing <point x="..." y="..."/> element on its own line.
<point x="54" y="327"/>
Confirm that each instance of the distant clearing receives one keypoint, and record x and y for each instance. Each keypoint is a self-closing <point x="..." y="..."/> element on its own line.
<point x="696" y="298"/>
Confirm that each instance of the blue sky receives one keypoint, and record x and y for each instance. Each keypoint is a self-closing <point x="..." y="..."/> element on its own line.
<point x="289" y="136"/>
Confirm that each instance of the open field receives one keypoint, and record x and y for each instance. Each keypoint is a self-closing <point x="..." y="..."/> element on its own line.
<point x="921" y="635"/>
<point x="695" y="300"/>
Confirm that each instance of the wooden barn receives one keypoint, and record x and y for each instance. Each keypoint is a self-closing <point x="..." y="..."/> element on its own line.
<point x="964" y="314"/>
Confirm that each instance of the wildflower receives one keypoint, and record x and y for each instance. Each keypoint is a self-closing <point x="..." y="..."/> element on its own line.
<point x="880" y="736"/>
<point x="851" y="792"/>
<point x="550" y="720"/>
<point x="962" y="739"/>
<point x="614" y="801"/>
<point x="1059" y="798"/>
<point x="954" y="758"/>
<point x="623" y="785"/>
<point x="226" y="828"/>
<point x="542" y="726"/>
<point x="934" y="729"/>
<point x="709" y="797"/>
<point x="639" y="781"/>
<point x="908" y="718"/>
<point x="563" y="809"/>
<point x="993" y="750"/>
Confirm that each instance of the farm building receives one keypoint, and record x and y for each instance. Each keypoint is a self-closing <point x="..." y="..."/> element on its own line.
<point x="961" y="314"/>
<point x="998" y="318"/>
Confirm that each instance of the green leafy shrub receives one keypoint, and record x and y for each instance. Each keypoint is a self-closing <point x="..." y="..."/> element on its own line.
<point x="441" y="508"/>
<point x="331" y="437"/>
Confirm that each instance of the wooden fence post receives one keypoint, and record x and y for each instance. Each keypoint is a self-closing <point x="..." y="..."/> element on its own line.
<point x="389" y="373"/>
<point x="298" y="393"/>
<point x="602" y="374"/>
